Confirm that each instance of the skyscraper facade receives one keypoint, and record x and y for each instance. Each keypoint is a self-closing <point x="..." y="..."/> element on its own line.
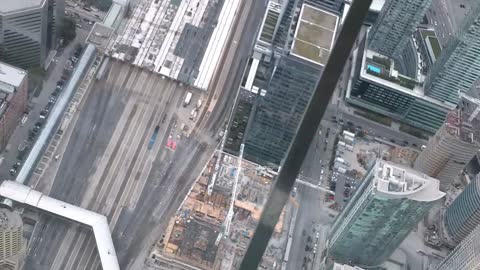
<point x="23" y="32"/>
<point x="396" y="23"/>
<point x="466" y="255"/>
<point x="387" y="205"/>
<point x="287" y="68"/>
<point x="11" y="240"/>
<point x="56" y="13"/>
<point x="458" y="67"/>
<point x="463" y="215"/>
<point x="453" y="146"/>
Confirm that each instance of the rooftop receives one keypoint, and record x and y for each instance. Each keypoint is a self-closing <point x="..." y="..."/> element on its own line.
<point x="376" y="5"/>
<point x="314" y="35"/>
<point x="431" y="41"/>
<point x="337" y="266"/>
<point x="9" y="220"/>
<point x="182" y="40"/>
<point x="8" y="6"/>
<point x="23" y="194"/>
<point x="463" y="122"/>
<point x="402" y="182"/>
<point x="380" y="69"/>
<point x="10" y="77"/>
<point x="270" y="22"/>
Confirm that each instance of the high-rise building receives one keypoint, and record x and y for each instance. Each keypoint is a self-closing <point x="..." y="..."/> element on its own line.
<point x="56" y="13"/>
<point x="453" y="146"/>
<point x="396" y="23"/>
<point x="23" y="32"/>
<point x="11" y="240"/>
<point x="458" y="67"/>
<point x="466" y="255"/>
<point x="463" y="215"/>
<point x="284" y="71"/>
<point x="387" y="205"/>
<point x="13" y="100"/>
<point x="376" y="84"/>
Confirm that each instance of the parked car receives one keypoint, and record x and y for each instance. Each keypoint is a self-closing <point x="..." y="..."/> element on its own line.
<point x="43" y="114"/>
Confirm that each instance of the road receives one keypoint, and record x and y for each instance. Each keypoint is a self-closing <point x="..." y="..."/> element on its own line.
<point x="445" y="16"/>
<point x="37" y="103"/>
<point x="312" y="218"/>
<point x="107" y="166"/>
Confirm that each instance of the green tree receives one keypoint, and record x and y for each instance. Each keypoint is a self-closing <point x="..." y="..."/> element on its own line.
<point x="68" y="31"/>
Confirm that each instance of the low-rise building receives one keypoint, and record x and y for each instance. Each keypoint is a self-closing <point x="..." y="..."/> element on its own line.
<point x="13" y="100"/>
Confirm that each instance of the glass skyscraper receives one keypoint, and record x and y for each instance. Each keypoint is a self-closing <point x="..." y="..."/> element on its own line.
<point x="463" y="215"/>
<point x="458" y="67"/>
<point x="466" y="255"/>
<point x="23" y="32"/>
<point x="375" y="84"/>
<point x="388" y="204"/>
<point x="396" y="23"/>
<point x="284" y="72"/>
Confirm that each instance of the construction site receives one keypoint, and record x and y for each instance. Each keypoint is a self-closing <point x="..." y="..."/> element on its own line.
<point x="179" y="39"/>
<point x="214" y="225"/>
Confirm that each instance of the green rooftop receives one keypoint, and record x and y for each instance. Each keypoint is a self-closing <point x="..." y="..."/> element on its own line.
<point x="432" y="38"/>
<point x="314" y="34"/>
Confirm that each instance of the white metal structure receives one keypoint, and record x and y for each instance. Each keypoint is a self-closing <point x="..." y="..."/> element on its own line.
<point x="26" y="195"/>
<point x="228" y="220"/>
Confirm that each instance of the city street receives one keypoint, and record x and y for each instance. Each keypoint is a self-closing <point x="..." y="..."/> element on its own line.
<point x="445" y="16"/>
<point x="37" y="104"/>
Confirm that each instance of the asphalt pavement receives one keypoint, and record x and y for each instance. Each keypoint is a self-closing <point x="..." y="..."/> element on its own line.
<point x="36" y="105"/>
<point x="108" y="168"/>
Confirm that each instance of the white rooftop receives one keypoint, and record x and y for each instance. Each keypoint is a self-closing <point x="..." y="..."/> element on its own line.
<point x="7" y="6"/>
<point x="10" y="77"/>
<point x="376" y="5"/>
<point x="337" y="266"/>
<point x="99" y="224"/>
<point x="396" y="181"/>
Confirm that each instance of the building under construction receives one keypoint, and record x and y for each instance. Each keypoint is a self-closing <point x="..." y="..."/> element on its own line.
<point x="454" y="144"/>
<point x="203" y="234"/>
